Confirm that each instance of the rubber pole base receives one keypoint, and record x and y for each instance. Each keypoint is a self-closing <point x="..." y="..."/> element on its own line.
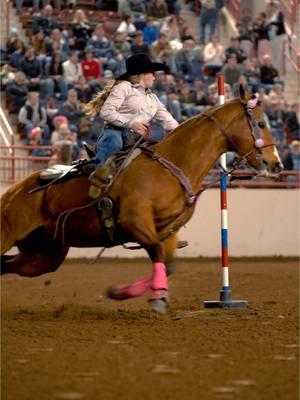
<point x="226" y="301"/>
<point x="226" y="304"/>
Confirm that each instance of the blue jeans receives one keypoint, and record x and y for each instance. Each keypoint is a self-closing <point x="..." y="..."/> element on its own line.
<point x="208" y="17"/>
<point x="109" y="143"/>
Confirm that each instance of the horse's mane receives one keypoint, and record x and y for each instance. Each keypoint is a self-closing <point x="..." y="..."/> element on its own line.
<point x="190" y="122"/>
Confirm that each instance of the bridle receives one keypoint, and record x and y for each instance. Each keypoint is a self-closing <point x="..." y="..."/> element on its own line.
<point x="256" y="130"/>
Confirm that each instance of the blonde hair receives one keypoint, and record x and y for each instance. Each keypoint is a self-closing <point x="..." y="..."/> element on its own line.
<point x="94" y="106"/>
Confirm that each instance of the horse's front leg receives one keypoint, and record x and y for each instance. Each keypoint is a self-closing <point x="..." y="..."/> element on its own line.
<point x="141" y="286"/>
<point x="140" y="225"/>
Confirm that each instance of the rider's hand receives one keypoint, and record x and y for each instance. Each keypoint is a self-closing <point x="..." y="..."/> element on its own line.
<point x="140" y="127"/>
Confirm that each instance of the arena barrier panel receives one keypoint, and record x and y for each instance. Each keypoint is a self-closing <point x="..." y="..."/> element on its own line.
<point x="15" y="166"/>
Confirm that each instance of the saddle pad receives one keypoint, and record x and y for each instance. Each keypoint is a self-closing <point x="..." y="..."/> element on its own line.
<point x="55" y="172"/>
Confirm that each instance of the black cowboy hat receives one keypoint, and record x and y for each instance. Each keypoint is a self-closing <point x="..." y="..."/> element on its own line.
<point x="139" y="64"/>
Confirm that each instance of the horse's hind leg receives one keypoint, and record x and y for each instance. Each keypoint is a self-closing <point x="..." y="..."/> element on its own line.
<point x="39" y="254"/>
<point x="32" y="264"/>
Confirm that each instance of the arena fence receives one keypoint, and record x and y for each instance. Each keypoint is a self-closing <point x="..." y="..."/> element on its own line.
<point x="16" y="163"/>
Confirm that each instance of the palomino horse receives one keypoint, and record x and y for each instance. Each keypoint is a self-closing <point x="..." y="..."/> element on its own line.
<point x="151" y="202"/>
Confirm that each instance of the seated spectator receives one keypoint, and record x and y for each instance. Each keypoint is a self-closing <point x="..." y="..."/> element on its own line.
<point x="36" y="138"/>
<point x="291" y="157"/>
<point x="138" y="45"/>
<point x="234" y="48"/>
<point x="268" y="74"/>
<point x="39" y="45"/>
<point x="14" y="44"/>
<point x="261" y="33"/>
<point x="81" y="29"/>
<point x="16" y="92"/>
<point x="231" y="70"/>
<point x="55" y="73"/>
<point x="174" y="7"/>
<point x="45" y="22"/>
<point x="63" y="136"/>
<point x="277" y="108"/>
<point x="246" y="18"/>
<point x="201" y="96"/>
<point x="72" y="109"/>
<point x="150" y="31"/>
<point x="245" y="38"/>
<point x="90" y="66"/>
<point x="103" y="48"/>
<point x="249" y="71"/>
<point x="32" y="68"/>
<point x="165" y="87"/>
<point x="161" y="51"/>
<point x="214" y="56"/>
<point x="72" y="69"/>
<point x="171" y="29"/>
<point x="127" y="26"/>
<point x="137" y="10"/>
<point x="292" y="123"/>
<point x="32" y="115"/>
<point x="85" y="91"/>
<point x="236" y="86"/>
<point x="186" y="32"/>
<point x="187" y="100"/>
<point x="158" y="10"/>
<point x="277" y="102"/>
<point x="263" y="99"/>
<point x="121" y="53"/>
<point x="186" y="62"/>
<point x="57" y="43"/>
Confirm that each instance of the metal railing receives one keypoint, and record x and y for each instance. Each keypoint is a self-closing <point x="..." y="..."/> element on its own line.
<point x="234" y="8"/>
<point x="291" y="55"/>
<point x="14" y="168"/>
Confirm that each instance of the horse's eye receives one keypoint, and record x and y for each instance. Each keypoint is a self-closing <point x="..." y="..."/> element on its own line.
<point x="261" y="124"/>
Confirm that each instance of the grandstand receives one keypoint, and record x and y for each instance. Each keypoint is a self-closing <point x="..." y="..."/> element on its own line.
<point x="190" y="89"/>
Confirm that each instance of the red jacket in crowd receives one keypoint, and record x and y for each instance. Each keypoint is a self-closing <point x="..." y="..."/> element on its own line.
<point x="91" y="69"/>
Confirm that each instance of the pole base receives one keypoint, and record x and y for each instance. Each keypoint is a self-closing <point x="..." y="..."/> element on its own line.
<point x="226" y="304"/>
<point x="226" y="301"/>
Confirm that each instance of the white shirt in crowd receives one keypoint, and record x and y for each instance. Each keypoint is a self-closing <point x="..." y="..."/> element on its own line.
<point x="72" y="72"/>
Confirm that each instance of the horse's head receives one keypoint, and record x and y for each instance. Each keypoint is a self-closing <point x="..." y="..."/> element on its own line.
<point x="253" y="138"/>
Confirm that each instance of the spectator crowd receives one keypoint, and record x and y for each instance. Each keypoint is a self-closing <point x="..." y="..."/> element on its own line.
<point x="48" y="80"/>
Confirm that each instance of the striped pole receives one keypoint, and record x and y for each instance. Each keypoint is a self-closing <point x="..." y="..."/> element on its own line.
<point x="225" y="293"/>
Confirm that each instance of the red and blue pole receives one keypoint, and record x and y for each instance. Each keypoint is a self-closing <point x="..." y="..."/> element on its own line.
<point x="225" y="293"/>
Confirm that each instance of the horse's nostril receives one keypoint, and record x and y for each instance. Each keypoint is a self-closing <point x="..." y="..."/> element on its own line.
<point x="278" y="167"/>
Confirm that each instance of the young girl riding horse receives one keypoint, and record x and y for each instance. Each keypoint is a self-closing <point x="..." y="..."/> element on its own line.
<point x="127" y="107"/>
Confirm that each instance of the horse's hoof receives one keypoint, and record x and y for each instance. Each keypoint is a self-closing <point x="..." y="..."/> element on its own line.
<point x="159" y="301"/>
<point x="117" y="292"/>
<point x="159" y="306"/>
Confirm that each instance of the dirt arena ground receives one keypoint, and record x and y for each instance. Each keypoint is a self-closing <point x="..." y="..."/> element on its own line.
<point x="62" y="339"/>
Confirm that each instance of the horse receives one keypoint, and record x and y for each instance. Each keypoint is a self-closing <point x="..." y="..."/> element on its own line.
<point x="152" y="200"/>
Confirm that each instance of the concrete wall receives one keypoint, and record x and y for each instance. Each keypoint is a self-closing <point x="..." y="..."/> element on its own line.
<point x="261" y="223"/>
